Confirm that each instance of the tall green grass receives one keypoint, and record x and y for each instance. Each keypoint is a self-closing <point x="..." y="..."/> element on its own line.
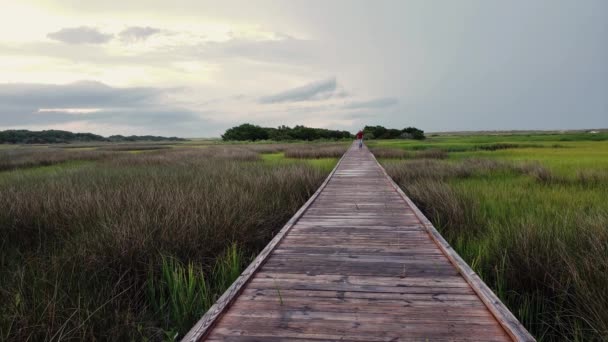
<point x="181" y="293"/>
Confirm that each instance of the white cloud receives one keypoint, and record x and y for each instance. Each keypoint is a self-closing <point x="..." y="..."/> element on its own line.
<point x="83" y="94"/>
<point x="69" y="110"/>
<point x="80" y="35"/>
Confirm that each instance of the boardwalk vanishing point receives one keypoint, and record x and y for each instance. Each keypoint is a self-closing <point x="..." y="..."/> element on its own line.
<point x="358" y="262"/>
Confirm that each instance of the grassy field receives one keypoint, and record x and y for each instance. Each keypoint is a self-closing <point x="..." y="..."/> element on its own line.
<point x="528" y="213"/>
<point x="135" y="242"/>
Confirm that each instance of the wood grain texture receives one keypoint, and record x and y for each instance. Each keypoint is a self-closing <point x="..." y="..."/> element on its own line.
<point x="358" y="262"/>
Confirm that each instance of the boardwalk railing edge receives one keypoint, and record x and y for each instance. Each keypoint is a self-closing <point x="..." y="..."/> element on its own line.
<point x="503" y="315"/>
<point x="203" y="326"/>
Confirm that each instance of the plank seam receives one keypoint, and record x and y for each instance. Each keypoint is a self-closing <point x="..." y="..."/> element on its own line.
<point x="503" y="315"/>
<point x="204" y="325"/>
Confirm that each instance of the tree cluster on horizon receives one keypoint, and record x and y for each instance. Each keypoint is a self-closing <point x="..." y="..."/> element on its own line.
<point x="381" y="132"/>
<point x="24" y="136"/>
<point x="250" y="132"/>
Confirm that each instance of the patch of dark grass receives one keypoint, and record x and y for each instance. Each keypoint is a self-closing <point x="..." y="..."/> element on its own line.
<point x="395" y="153"/>
<point x="433" y="153"/>
<point x="543" y="175"/>
<point x="435" y="170"/>
<point x="592" y="177"/>
<point x="133" y="147"/>
<point x="390" y="153"/>
<point x="316" y="151"/>
<point x="266" y="148"/>
<point x="501" y="146"/>
<point x="462" y="147"/>
<point x="78" y="146"/>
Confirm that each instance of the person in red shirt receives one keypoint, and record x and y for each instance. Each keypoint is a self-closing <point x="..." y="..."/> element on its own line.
<point x="359" y="137"/>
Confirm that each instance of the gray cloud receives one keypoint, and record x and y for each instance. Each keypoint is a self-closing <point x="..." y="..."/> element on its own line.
<point x="80" y="35"/>
<point x="137" y="33"/>
<point x="374" y="103"/>
<point x="78" y="94"/>
<point x="137" y="109"/>
<point x="313" y="91"/>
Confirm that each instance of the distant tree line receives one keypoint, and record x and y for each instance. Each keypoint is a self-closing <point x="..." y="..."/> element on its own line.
<point x="58" y="136"/>
<point x="380" y="132"/>
<point x="249" y="132"/>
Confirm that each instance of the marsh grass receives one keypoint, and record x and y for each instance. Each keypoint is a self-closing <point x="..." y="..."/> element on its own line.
<point x="133" y="147"/>
<point x="17" y="158"/>
<point x="96" y="252"/>
<point x="316" y="151"/>
<point x="538" y="237"/>
<point x="433" y="153"/>
<point x="182" y="293"/>
<point x="393" y="153"/>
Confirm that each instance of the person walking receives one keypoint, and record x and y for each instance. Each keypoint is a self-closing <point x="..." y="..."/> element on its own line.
<point x="359" y="137"/>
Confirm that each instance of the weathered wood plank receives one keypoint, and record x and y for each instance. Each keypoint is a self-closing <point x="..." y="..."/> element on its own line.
<point x="357" y="330"/>
<point x="394" y="298"/>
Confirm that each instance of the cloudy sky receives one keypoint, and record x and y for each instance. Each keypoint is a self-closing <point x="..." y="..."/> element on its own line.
<point x="194" y="68"/>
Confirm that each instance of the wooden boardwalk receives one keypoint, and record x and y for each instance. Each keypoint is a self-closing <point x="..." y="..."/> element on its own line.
<point x="358" y="262"/>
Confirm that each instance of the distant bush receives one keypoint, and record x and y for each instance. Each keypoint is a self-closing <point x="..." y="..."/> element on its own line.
<point x="246" y="132"/>
<point x="381" y="132"/>
<point x="249" y="132"/>
<point x="46" y="137"/>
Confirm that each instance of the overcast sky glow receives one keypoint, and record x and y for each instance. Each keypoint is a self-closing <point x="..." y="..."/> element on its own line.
<point x="194" y="68"/>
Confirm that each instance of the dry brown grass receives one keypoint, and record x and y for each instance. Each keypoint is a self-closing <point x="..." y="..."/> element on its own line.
<point x="431" y="154"/>
<point x="133" y="147"/>
<point x="79" y="249"/>
<point x="266" y="148"/>
<point x="390" y="153"/>
<point x="316" y="151"/>
<point x="31" y="157"/>
<point x="396" y="153"/>
<point x="439" y="170"/>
